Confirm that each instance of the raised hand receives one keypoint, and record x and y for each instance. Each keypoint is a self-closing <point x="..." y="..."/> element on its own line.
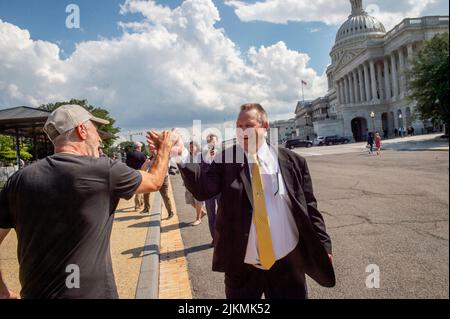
<point x="159" y="141"/>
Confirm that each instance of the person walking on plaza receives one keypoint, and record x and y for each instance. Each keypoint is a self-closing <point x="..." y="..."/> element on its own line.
<point x="164" y="190"/>
<point x="135" y="160"/>
<point x="370" y="142"/>
<point x="211" y="203"/>
<point x="62" y="209"/>
<point x="269" y="231"/>
<point x="378" y="143"/>
<point x="195" y="156"/>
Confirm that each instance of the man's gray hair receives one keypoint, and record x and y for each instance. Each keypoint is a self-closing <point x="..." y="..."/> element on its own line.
<point x="137" y="145"/>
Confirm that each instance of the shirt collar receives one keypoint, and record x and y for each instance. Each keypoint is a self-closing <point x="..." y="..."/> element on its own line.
<point x="263" y="154"/>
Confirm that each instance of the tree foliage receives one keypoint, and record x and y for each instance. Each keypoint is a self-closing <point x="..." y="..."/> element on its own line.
<point x="8" y="151"/>
<point x="429" y="84"/>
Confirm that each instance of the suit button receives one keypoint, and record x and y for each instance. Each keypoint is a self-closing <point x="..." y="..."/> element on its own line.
<point x="246" y="234"/>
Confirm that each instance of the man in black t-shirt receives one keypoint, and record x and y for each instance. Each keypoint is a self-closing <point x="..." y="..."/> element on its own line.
<point x="62" y="209"/>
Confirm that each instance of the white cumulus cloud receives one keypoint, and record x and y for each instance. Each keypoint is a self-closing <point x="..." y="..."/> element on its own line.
<point x="388" y="12"/>
<point x="170" y="67"/>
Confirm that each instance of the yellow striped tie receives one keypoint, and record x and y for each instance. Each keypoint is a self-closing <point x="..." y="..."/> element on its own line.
<point x="261" y="219"/>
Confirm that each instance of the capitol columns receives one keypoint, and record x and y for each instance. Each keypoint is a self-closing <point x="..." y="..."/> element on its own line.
<point x="346" y="98"/>
<point x="350" y="86"/>
<point x="402" y="65"/>
<point x="366" y="82"/>
<point x="361" y="85"/>
<point x="409" y="50"/>
<point x="341" y="81"/>
<point x="394" y="76"/>
<point x="387" y="82"/>
<point x="373" y="80"/>
<point x="355" y="87"/>
<point x="380" y="80"/>
<point x="338" y="91"/>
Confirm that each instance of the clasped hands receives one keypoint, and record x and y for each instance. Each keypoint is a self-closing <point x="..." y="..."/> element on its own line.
<point x="168" y="140"/>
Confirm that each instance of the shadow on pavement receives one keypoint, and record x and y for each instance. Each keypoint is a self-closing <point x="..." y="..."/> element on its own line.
<point x="127" y="218"/>
<point x="174" y="227"/>
<point x="136" y="252"/>
<point x="177" y="253"/>
<point x="125" y="210"/>
<point x="145" y="224"/>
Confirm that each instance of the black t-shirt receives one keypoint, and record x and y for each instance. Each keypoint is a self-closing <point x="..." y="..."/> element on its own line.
<point x="136" y="159"/>
<point x="62" y="209"/>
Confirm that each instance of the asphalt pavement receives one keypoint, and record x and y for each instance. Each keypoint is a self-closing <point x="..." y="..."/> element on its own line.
<point x="387" y="212"/>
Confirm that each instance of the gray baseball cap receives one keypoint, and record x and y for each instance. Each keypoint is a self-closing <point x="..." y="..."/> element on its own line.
<point x="68" y="117"/>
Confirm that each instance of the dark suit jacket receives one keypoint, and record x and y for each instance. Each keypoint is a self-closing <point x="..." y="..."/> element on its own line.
<point x="234" y="214"/>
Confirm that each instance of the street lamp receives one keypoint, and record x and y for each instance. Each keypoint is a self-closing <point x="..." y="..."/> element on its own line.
<point x="372" y="115"/>
<point x="400" y="117"/>
<point x="307" y="117"/>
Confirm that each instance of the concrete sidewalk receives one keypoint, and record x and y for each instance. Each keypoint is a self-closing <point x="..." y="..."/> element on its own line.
<point x="174" y="282"/>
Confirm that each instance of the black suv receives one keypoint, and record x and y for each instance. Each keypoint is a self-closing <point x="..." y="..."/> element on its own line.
<point x="296" y="142"/>
<point x="334" y="139"/>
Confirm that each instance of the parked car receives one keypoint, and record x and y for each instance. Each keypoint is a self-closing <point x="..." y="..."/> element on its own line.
<point x="296" y="142"/>
<point x="318" y="140"/>
<point x="334" y="139"/>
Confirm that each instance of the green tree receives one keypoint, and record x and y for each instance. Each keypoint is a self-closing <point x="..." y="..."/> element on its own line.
<point x="429" y="83"/>
<point x="129" y="146"/>
<point x="96" y="111"/>
<point x="8" y="150"/>
<point x="126" y="146"/>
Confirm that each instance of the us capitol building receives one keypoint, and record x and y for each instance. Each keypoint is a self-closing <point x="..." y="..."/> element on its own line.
<point x="367" y="84"/>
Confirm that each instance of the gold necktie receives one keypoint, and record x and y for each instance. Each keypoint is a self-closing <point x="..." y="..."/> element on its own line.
<point x="261" y="219"/>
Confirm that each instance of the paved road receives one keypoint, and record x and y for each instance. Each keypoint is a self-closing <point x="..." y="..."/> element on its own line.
<point x="418" y="142"/>
<point x="391" y="211"/>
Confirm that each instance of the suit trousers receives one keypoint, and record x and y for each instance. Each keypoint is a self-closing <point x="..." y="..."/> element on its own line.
<point x="285" y="280"/>
<point x="211" y="209"/>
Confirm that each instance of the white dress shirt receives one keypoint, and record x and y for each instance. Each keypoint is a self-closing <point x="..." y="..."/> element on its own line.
<point x="283" y="229"/>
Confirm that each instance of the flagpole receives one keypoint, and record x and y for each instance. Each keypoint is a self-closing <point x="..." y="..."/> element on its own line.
<point x="303" y="93"/>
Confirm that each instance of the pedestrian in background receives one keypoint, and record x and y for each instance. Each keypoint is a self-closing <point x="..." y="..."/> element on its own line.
<point x="212" y="203"/>
<point x="378" y="143"/>
<point x="195" y="157"/>
<point x="370" y="143"/>
<point x="164" y="190"/>
<point x="135" y="160"/>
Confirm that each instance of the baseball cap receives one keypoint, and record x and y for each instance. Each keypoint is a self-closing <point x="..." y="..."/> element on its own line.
<point x="66" y="118"/>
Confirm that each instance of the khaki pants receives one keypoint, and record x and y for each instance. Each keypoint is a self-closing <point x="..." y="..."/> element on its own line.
<point x="164" y="191"/>
<point x="137" y="200"/>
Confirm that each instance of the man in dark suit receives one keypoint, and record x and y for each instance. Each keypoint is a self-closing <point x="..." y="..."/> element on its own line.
<point x="268" y="230"/>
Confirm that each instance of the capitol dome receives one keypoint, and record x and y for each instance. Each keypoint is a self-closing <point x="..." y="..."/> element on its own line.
<point x="359" y="24"/>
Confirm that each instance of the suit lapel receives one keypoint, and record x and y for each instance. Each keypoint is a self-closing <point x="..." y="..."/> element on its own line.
<point x="287" y="170"/>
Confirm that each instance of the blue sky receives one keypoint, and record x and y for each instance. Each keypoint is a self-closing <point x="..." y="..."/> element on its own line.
<point x="176" y="61"/>
<point x="45" y="20"/>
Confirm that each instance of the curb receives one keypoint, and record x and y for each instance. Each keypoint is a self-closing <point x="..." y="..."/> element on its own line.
<point x="148" y="282"/>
